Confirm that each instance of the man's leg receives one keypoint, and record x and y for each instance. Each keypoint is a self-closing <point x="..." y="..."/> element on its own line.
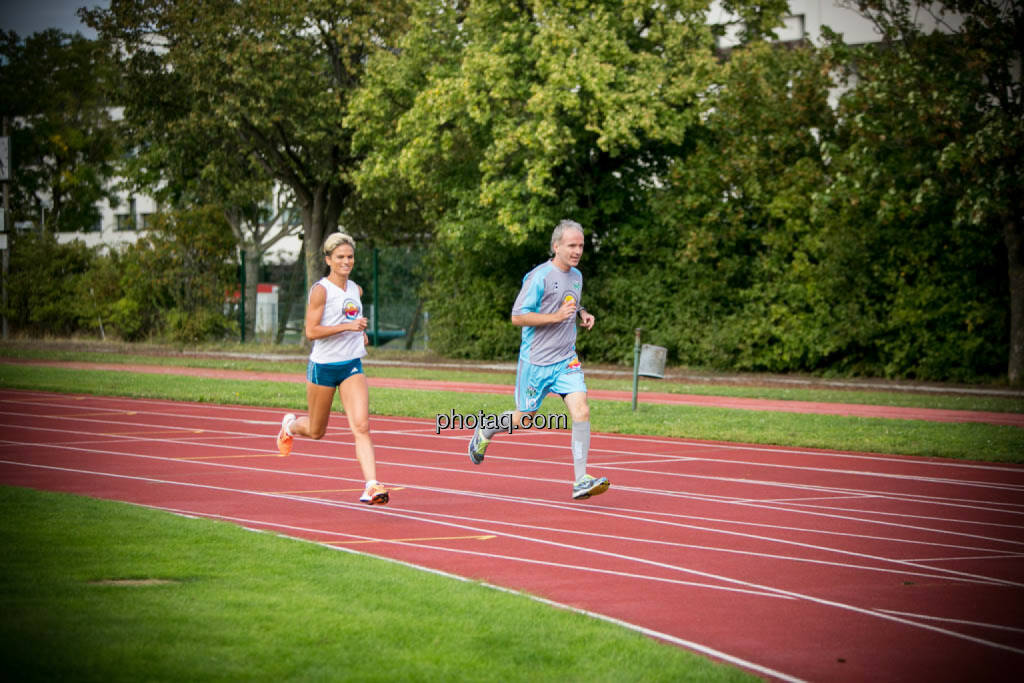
<point x="579" y="411"/>
<point x="585" y="485"/>
<point x="531" y="387"/>
<point x="482" y="436"/>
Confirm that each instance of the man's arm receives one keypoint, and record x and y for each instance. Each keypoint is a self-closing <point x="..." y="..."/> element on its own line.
<point x="567" y="310"/>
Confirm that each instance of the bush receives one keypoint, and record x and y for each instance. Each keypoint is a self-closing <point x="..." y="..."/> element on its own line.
<point x="45" y="283"/>
<point x="172" y="281"/>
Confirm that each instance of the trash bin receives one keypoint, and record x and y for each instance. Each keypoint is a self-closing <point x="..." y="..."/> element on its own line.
<point x="652" y="361"/>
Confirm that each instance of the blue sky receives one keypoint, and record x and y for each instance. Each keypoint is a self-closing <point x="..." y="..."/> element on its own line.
<point x="28" y="16"/>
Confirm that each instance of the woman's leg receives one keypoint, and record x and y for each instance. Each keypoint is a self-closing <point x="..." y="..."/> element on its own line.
<point x="314" y="425"/>
<point x="355" y="399"/>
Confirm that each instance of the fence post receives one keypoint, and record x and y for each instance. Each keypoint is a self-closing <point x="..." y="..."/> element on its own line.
<point x="636" y="365"/>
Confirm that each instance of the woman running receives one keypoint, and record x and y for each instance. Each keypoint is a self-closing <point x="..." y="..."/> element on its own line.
<point x="337" y="327"/>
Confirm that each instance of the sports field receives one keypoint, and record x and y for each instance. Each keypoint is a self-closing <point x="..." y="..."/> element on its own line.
<point x="789" y="563"/>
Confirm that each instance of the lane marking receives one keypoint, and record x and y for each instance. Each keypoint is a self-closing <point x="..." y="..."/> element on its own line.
<point x="954" y="621"/>
<point x="475" y="537"/>
<point x="358" y="490"/>
<point x="910" y="567"/>
<point x="231" y="457"/>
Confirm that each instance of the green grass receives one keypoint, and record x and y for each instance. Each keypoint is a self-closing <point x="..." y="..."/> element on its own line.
<point x="292" y="361"/>
<point x="237" y="605"/>
<point x="972" y="441"/>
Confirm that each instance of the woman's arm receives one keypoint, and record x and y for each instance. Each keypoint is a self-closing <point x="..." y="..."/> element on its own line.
<point x="315" y="314"/>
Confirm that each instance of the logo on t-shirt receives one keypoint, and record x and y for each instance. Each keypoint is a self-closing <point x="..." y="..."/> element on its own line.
<point x="350" y="309"/>
<point x="569" y="299"/>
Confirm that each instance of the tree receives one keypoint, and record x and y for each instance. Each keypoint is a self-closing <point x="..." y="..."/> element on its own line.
<point x="931" y="184"/>
<point x="64" y="144"/>
<point x="732" y="279"/>
<point x="500" y="118"/>
<point x="265" y="82"/>
<point x="44" y="282"/>
<point x="174" y="278"/>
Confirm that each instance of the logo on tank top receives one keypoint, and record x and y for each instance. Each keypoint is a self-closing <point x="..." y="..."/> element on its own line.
<point x="350" y="309"/>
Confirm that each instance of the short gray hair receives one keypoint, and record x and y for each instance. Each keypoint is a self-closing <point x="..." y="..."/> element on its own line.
<point x="564" y="226"/>
<point x="337" y="239"/>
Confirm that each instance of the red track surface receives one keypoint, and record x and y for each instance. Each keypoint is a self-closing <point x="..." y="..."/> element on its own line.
<point x="789" y="562"/>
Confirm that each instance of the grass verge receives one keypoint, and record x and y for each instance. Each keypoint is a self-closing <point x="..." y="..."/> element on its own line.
<point x="102" y="591"/>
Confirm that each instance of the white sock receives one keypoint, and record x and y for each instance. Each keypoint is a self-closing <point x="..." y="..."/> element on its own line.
<point x="489" y="433"/>
<point x="580" y="448"/>
<point x="288" y="424"/>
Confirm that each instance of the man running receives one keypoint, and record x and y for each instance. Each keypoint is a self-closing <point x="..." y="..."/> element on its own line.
<point x="546" y="309"/>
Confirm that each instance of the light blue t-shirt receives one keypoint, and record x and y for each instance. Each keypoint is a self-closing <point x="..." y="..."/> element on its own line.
<point x="544" y="289"/>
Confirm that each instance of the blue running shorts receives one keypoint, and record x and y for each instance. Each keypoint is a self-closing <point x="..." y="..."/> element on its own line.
<point x="333" y="374"/>
<point x="534" y="382"/>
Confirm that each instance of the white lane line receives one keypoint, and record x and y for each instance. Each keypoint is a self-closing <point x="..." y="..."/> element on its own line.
<point x="353" y="506"/>
<point x="959" y="558"/>
<point x="743" y="503"/>
<point x="929" y="617"/>
<point x="970" y="504"/>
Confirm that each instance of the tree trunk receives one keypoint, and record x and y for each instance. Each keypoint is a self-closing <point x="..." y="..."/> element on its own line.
<point x="1013" y="235"/>
<point x="320" y="213"/>
<point x="252" y="280"/>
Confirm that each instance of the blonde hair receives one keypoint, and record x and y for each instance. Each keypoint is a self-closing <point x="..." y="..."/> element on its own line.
<point x="335" y="240"/>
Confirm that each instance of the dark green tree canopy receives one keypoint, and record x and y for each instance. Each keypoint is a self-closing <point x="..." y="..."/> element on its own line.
<point x="64" y="144"/>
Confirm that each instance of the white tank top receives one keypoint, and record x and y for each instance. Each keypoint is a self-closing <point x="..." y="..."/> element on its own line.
<point x="342" y="306"/>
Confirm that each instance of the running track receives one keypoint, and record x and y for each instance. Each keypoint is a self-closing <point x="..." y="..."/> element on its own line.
<point x="791" y="563"/>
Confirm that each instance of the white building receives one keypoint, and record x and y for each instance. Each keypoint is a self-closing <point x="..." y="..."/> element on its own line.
<point x="805" y="19"/>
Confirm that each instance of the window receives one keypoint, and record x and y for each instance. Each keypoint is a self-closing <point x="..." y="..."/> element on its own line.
<point x="125" y="221"/>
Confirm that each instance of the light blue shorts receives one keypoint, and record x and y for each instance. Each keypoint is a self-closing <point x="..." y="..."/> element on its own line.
<point x="534" y="382"/>
<point x="333" y="374"/>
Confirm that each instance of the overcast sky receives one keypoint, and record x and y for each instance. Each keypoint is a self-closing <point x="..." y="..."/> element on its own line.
<point x="26" y="17"/>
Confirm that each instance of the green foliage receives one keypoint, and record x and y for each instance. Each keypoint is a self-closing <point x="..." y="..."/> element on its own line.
<point x="730" y="211"/>
<point x="173" y="280"/>
<point x="501" y="119"/>
<point x="44" y="283"/>
<point x="228" y="96"/>
<point x="723" y="275"/>
<point x="928" y="288"/>
<point x="471" y="297"/>
<point x="53" y="90"/>
<point x="185" y="265"/>
<point x="736" y="216"/>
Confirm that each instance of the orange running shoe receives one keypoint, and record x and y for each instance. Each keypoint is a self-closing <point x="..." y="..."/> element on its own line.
<point x="284" y="439"/>
<point x="374" y="494"/>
